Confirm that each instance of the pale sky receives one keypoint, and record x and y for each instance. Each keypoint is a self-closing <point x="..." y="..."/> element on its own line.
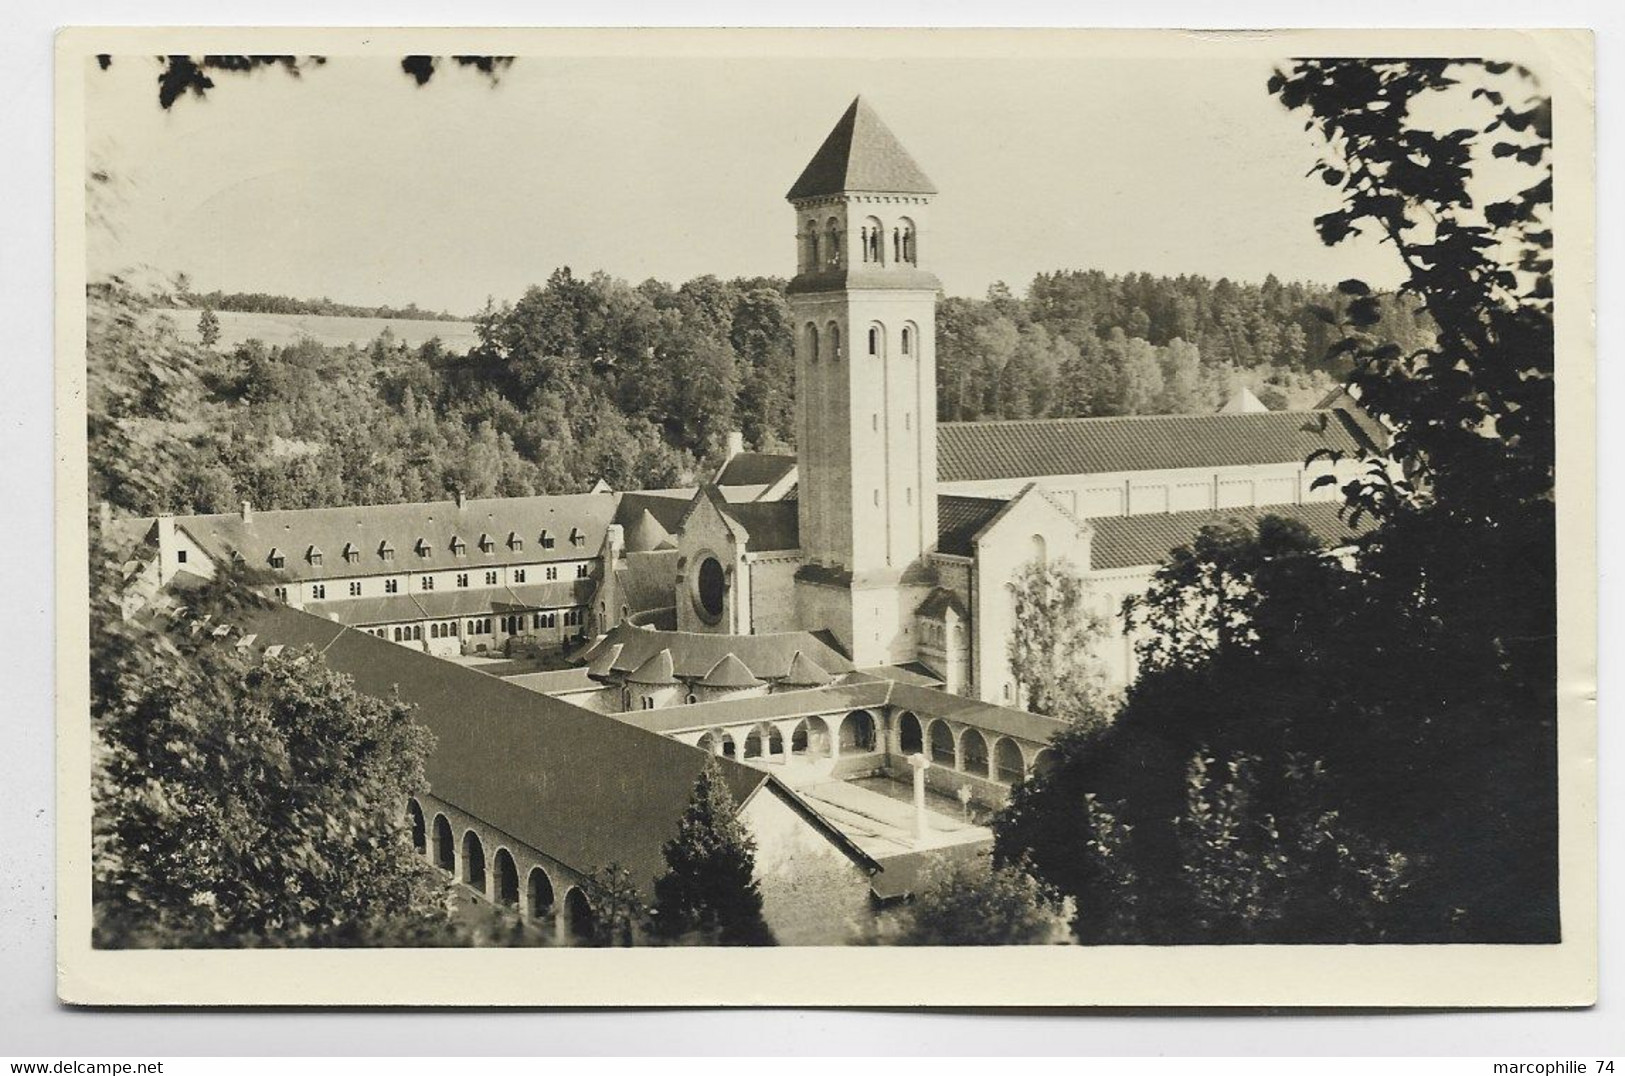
<point x="354" y="184"/>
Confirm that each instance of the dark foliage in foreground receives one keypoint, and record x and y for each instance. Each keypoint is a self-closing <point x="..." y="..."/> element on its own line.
<point x="1360" y="748"/>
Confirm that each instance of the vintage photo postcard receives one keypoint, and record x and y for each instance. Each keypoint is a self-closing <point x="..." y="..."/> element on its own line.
<point x="827" y="517"/>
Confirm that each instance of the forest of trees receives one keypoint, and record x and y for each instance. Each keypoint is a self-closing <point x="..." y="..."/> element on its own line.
<point x="258" y="302"/>
<point x="588" y="378"/>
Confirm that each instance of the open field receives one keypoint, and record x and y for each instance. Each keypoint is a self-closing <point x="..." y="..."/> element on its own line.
<point x="279" y="329"/>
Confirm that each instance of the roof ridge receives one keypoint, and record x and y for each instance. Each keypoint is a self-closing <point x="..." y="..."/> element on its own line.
<point x="1183" y="415"/>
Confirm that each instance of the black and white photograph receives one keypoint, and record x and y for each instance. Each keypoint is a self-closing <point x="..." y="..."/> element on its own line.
<point x="639" y="497"/>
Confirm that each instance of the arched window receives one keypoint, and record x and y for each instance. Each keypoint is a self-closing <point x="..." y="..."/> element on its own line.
<point x="414" y="815"/>
<point x="973" y="751"/>
<point x="1043" y="762"/>
<point x="473" y="861"/>
<point x="445" y="853"/>
<point x="909" y="739"/>
<point x="858" y="731"/>
<point x="832" y="242"/>
<point x="874" y="241"/>
<point x="729" y="748"/>
<point x="906" y="254"/>
<point x="538" y="893"/>
<point x="812" y="342"/>
<point x="942" y="744"/>
<point x="1007" y="763"/>
<point x="775" y="741"/>
<point x="507" y="879"/>
<point x="907" y="344"/>
<point x="800" y="738"/>
<point x="1040" y="550"/>
<point x="708" y="744"/>
<point x="753" y="744"/>
<point x="811" y="248"/>
<point x="877" y="340"/>
<point x="833" y="332"/>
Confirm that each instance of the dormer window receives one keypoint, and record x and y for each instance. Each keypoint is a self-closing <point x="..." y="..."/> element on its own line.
<point x="458" y="547"/>
<point x="277" y="559"/>
<point x="548" y="541"/>
<point x="487" y="544"/>
<point x="515" y="542"/>
<point x="313" y="555"/>
<point x="351" y="553"/>
<point x="385" y="550"/>
<point x="576" y="537"/>
<point x="423" y="548"/>
<point x="237" y="557"/>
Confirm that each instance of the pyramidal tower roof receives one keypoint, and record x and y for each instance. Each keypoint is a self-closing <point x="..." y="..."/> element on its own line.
<point x="860" y="154"/>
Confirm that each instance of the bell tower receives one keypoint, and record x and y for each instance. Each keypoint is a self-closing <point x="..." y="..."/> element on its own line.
<point x="864" y="312"/>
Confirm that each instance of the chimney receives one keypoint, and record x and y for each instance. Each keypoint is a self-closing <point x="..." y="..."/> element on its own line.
<point x="461" y="500"/>
<point x="248" y="512"/>
<point x="736" y="443"/>
<point x="614" y="544"/>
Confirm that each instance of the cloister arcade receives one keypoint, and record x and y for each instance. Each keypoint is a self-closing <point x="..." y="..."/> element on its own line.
<point x="851" y="743"/>
<point x="501" y="870"/>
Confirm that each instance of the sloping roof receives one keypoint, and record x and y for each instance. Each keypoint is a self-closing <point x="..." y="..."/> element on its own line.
<point x="436" y="524"/>
<point x="860" y="154"/>
<point x="961" y="519"/>
<point x="666" y="505"/>
<point x="655" y="670"/>
<point x="805" y="672"/>
<point x="694" y="654"/>
<point x="553" y="681"/>
<point x="779" y="706"/>
<point x="1029" y="448"/>
<point x="647" y="580"/>
<point x="930" y="702"/>
<point x="582" y="787"/>
<point x="1132" y="541"/>
<point x="730" y="672"/>
<point x="1243" y="402"/>
<point x="940" y="601"/>
<point x="900" y="875"/>
<point x="773" y="526"/>
<point x="646" y="534"/>
<point x="755" y="469"/>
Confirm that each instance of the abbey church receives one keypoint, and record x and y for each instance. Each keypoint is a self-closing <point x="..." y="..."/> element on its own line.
<point x="833" y="626"/>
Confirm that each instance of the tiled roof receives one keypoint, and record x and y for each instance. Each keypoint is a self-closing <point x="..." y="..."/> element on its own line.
<point x="805" y="672"/>
<point x="779" y="706"/>
<point x="655" y="670"/>
<point x="773" y="526"/>
<point x="1132" y="541"/>
<point x="730" y="672"/>
<point x="755" y="469"/>
<point x="1030" y="448"/>
<point x="666" y="505"/>
<point x="860" y="154"/>
<point x="435" y="525"/>
<point x="582" y="787"/>
<point x="646" y="534"/>
<point x="768" y="657"/>
<point x="647" y="581"/>
<point x="553" y="681"/>
<point x="961" y="519"/>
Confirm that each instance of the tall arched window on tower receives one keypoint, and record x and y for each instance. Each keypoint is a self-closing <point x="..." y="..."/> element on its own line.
<point x="812" y="342"/>
<point x="811" y="251"/>
<point x="874" y="241"/>
<point x="832" y="332"/>
<point x="832" y="243"/>
<point x="877" y="340"/>
<point x="906" y="254"/>
<point x="908" y="341"/>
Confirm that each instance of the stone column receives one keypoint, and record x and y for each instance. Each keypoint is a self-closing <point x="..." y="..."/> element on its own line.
<point x="920" y="764"/>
